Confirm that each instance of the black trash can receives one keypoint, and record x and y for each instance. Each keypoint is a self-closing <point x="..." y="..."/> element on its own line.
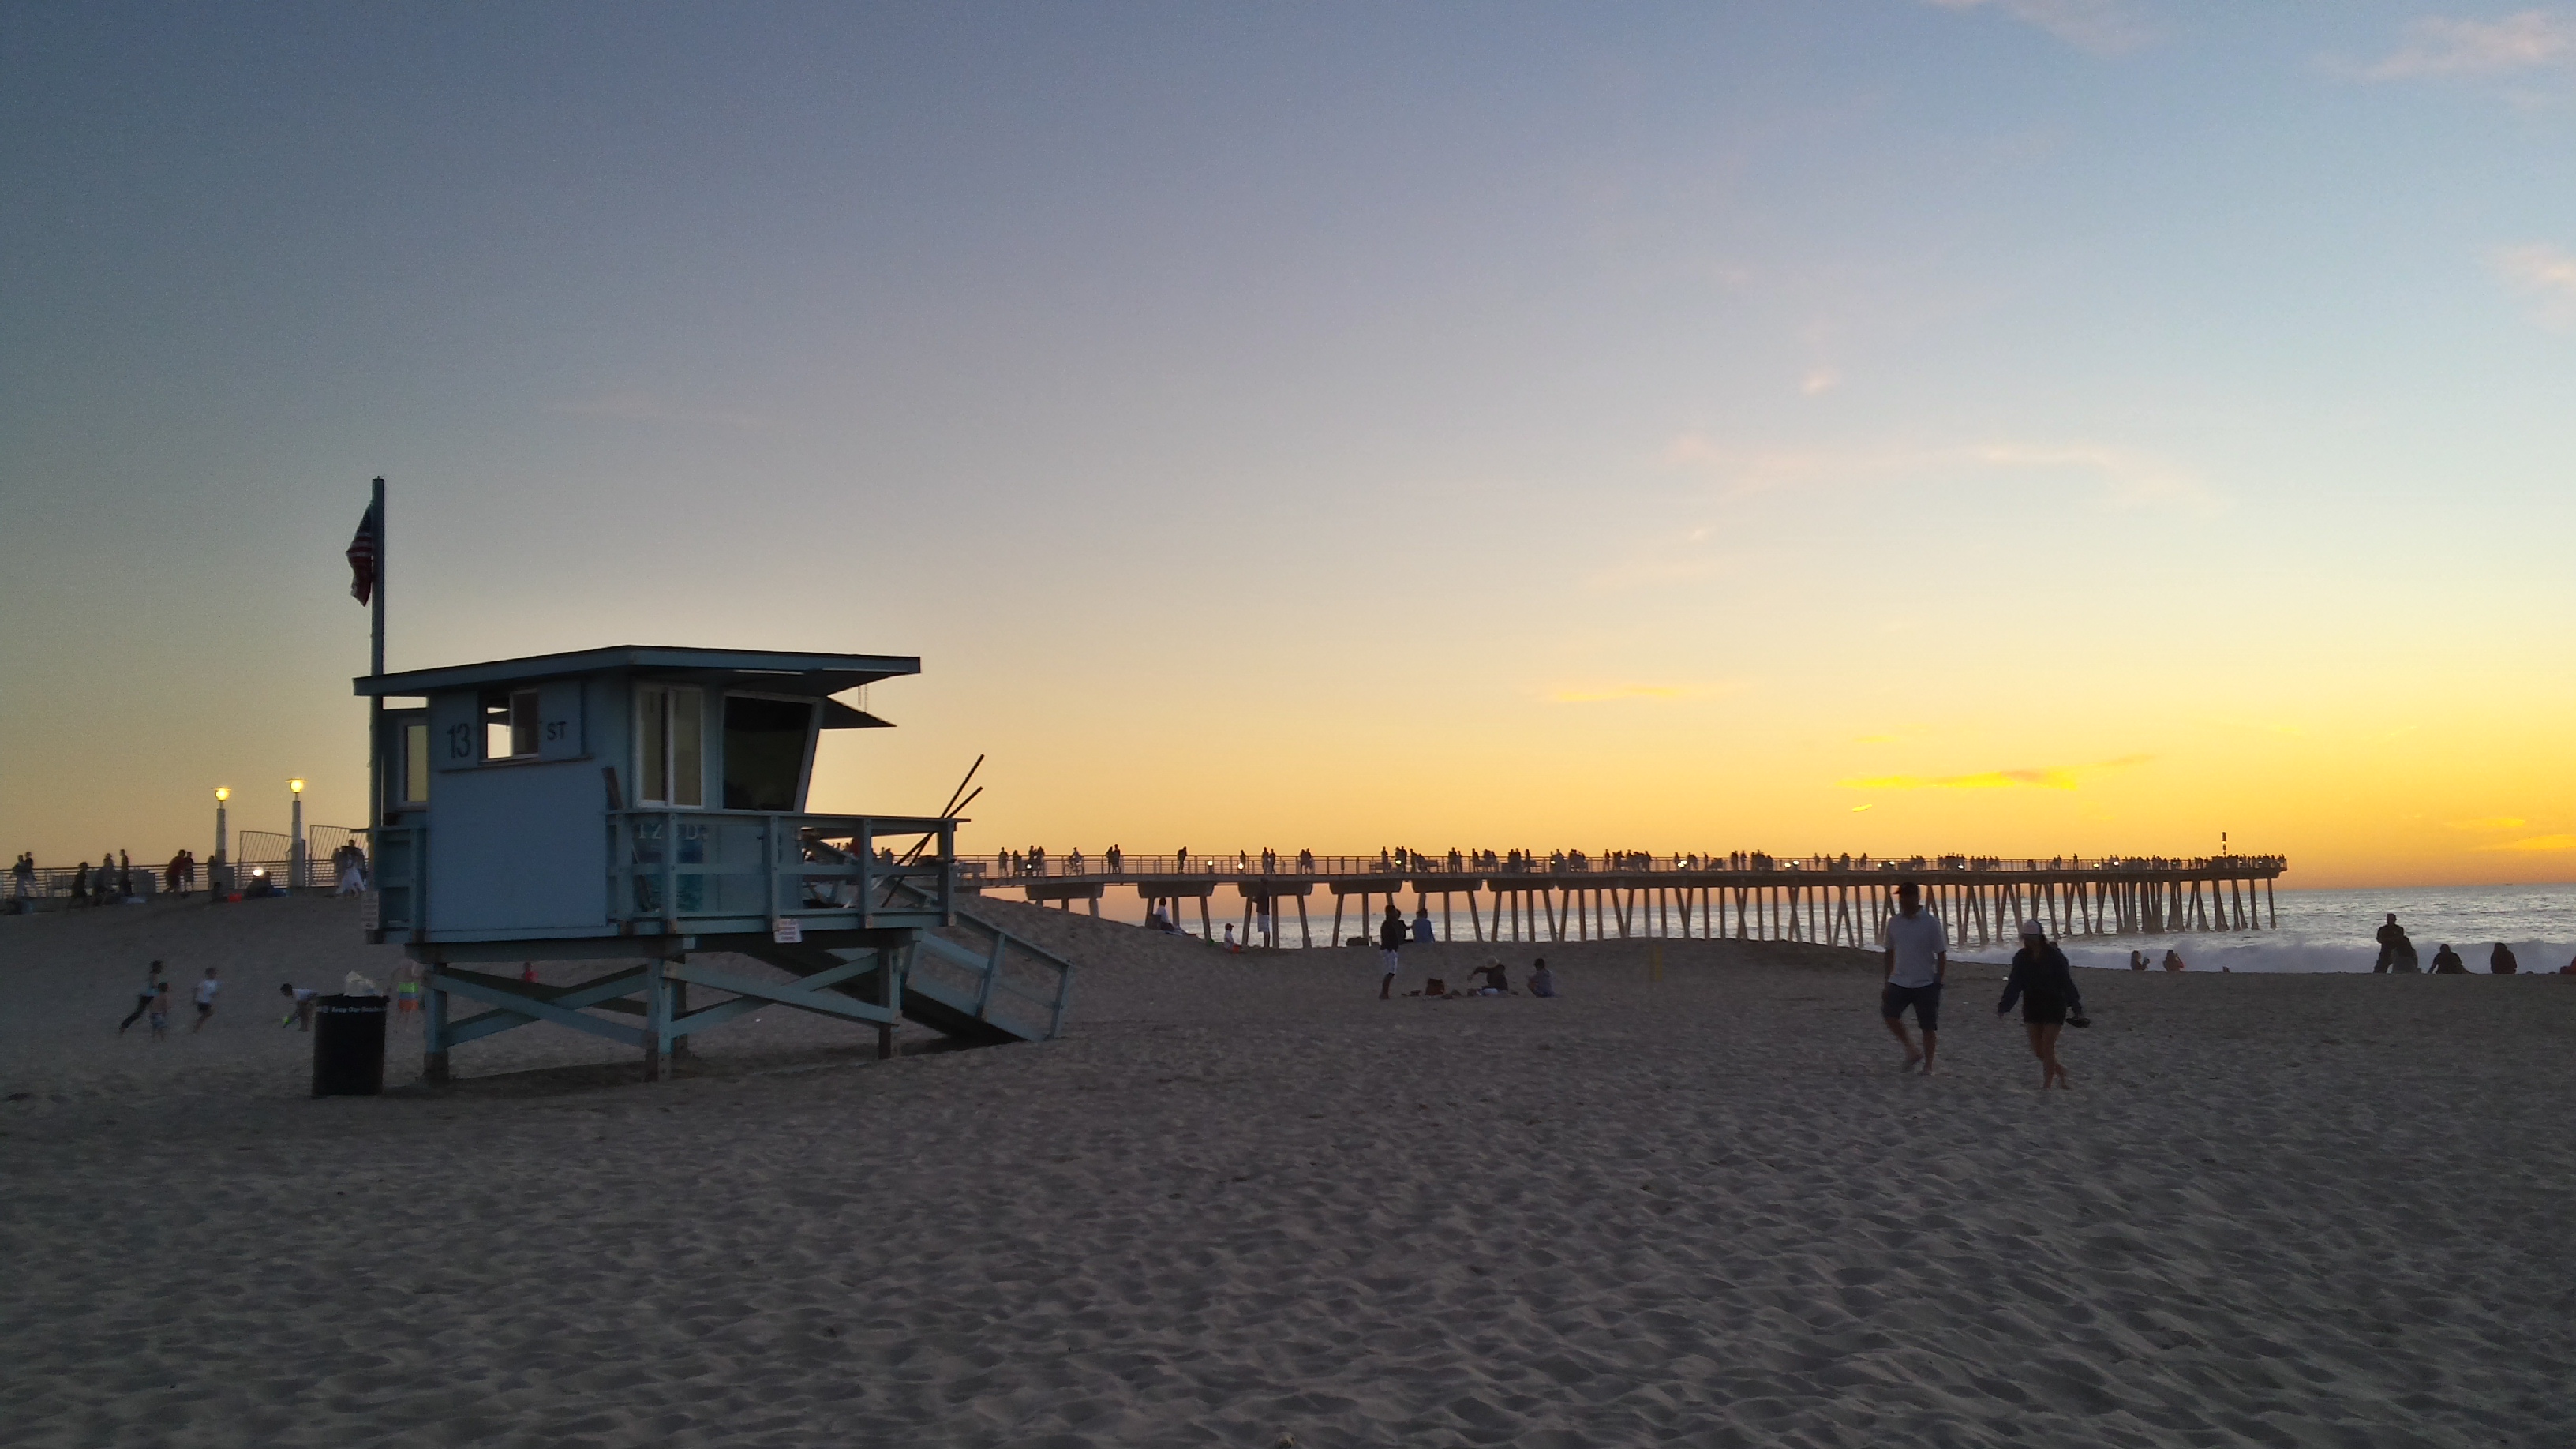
<point x="348" y="1046"/>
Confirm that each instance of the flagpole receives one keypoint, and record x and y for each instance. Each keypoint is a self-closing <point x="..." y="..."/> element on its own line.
<point x="376" y="703"/>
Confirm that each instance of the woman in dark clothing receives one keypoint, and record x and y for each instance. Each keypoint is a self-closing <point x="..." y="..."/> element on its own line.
<point x="2045" y="986"/>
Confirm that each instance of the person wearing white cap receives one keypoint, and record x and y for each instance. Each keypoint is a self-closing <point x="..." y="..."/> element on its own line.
<point x="2045" y="986"/>
<point x="1918" y="957"/>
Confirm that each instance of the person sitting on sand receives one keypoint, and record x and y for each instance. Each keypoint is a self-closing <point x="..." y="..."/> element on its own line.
<point x="2401" y="957"/>
<point x="1496" y="982"/>
<point x="2138" y="961"/>
<point x="1422" y="930"/>
<point x="2045" y="986"/>
<point x="1542" y="981"/>
<point x="2174" y="962"/>
<point x="2500" y="960"/>
<point x="2447" y="962"/>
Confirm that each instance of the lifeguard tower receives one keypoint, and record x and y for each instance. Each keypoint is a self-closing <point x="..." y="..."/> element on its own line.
<point x="647" y="806"/>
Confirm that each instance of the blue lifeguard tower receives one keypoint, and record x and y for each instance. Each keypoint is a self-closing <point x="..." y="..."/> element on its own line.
<point x="647" y="805"/>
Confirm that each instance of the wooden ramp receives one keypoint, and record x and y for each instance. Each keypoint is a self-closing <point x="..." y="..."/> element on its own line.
<point x="972" y="981"/>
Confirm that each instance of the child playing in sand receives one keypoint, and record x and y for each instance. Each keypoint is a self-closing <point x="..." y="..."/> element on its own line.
<point x="161" y="1011"/>
<point x="2045" y="987"/>
<point x="299" y="1005"/>
<point x="206" y="990"/>
<point x="153" y="986"/>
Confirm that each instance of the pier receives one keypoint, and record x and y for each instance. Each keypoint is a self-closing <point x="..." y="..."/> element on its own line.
<point x="1566" y="896"/>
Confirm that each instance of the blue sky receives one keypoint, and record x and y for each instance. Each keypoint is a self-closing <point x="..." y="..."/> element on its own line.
<point x="1285" y="423"/>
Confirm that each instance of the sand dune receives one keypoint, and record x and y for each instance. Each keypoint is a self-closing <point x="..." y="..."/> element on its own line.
<point x="1245" y="1199"/>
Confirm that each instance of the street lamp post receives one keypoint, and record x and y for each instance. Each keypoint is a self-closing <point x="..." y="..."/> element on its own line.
<point x="215" y="874"/>
<point x="295" y="863"/>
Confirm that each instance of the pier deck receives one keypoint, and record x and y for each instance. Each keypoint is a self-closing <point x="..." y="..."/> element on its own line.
<point x="1834" y="900"/>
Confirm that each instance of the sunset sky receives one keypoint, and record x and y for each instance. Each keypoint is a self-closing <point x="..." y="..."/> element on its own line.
<point x="2017" y="427"/>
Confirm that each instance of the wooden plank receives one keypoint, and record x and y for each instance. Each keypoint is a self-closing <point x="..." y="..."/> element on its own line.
<point x="992" y="975"/>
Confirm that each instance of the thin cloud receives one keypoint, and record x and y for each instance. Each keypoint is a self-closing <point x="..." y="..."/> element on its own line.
<point x="2536" y="843"/>
<point x="1820" y="381"/>
<point x="2125" y="480"/>
<point x="2132" y="481"/>
<point x="638" y="408"/>
<point x="2059" y="777"/>
<point x="2498" y="822"/>
<point x="2544" y="274"/>
<point x="2441" y="46"/>
<point x="2104" y="27"/>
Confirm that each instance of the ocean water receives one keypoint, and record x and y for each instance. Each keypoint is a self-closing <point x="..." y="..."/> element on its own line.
<point x="2332" y="931"/>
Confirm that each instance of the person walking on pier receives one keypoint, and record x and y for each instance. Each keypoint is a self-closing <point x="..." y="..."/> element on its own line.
<point x="1918" y="958"/>
<point x="2045" y="986"/>
<point x="1390" y="945"/>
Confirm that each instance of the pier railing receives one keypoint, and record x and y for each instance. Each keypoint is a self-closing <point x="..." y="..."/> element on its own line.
<point x="1570" y="895"/>
<point x="1078" y="865"/>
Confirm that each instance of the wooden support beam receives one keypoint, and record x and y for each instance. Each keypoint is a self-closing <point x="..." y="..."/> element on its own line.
<point x="495" y="992"/>
<point x="805" y="993"/>
<point x="1305" y="935"/>
<point x="657" y="1018"/>
<point x="434" y="1037"/>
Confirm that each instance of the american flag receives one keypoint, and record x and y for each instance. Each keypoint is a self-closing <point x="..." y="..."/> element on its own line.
<point x="362" y="558"/>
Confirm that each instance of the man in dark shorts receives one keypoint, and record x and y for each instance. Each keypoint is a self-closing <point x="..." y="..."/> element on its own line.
<point x="1918" y="957"/>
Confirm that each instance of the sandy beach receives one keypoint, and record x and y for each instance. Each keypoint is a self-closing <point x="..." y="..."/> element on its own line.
<point x="1244" y="1199"/>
